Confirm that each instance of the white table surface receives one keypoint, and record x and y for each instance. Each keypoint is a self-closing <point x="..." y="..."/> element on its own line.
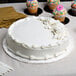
<point x="64" y="67"/>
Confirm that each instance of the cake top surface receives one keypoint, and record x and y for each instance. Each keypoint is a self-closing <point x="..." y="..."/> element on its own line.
<point x="38" y="32"/>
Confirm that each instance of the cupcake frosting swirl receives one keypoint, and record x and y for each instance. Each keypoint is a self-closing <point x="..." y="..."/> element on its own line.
<point x="53" y="1"/>
<point x="32" y="3"/>
<point x="60" y="10"/>
<point x="74" y="4"/>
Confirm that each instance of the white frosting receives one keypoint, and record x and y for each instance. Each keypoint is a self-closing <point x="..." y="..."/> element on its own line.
<point x="31" y="32"/>
<point x="37" y="37"/>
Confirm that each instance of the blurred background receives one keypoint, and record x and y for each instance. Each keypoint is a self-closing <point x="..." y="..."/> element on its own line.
<point x="14" y="1"/>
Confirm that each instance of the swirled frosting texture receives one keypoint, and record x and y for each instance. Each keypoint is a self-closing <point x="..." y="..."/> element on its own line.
<point x="60" y="10"/>
<point x="32" y="4"/>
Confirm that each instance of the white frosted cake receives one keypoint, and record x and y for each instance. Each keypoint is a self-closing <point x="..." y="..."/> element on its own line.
<point x="37" y="38"/>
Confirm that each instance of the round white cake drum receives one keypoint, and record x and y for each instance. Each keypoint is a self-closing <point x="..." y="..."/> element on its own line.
<point x="66" y="52"/>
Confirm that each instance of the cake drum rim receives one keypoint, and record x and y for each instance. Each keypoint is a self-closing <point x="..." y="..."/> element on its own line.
<point x="67" y="51"/>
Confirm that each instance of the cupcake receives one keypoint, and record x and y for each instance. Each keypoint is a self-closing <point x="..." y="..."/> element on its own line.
<point x="73" y="8"/>
<point x="32" y="6"/>
<point x="52" y="4"/>
<point x="59" y="13"/>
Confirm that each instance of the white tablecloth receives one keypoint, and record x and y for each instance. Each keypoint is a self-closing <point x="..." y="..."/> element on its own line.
<point x="64" y="67"/>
